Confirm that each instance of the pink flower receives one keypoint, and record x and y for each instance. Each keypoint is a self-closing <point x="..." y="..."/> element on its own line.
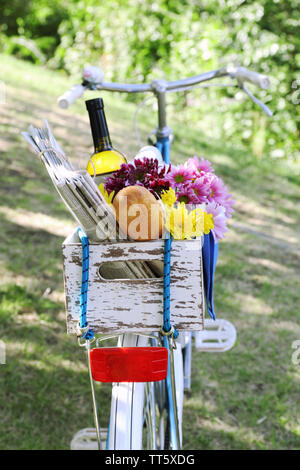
<point x="201" y="189"/>
<point x="187" y="195"/>
<point x="193" y="164"/>
<point x="219" y="194"/>
<point x="227" y="204"/>
<point x="218" y="213"/>
<point x="179" y="175"/>
<point x="218" y="191"/>
<point x="204" y="166"/>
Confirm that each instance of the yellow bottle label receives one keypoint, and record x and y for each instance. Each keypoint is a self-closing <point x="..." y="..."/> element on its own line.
<point x="107" y="161"/>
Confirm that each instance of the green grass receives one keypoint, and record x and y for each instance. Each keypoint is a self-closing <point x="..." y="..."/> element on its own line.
<point x="247" y="398"/>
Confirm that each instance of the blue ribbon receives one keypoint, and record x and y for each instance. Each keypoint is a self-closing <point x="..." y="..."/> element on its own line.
<point x="167" y="279"/>
<point x="163" y="145"/>
<point x="210" y="252"/>
<point x="84" y="283"/>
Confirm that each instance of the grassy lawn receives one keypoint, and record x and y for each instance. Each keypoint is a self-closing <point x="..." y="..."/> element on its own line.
<point x="247" y="398"/>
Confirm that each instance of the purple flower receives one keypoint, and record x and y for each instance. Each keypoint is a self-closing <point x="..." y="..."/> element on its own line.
<point x="227" y="204"/>
<point x="218" y="213"/>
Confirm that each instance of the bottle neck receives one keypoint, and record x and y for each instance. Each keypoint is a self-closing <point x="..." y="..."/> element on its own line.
<point x="99" y="130"/>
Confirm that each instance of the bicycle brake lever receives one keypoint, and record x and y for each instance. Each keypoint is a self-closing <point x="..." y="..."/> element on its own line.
<point x="262" y="105"/>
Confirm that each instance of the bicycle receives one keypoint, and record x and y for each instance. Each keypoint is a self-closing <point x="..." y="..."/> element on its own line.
<point x="158" y="405"/>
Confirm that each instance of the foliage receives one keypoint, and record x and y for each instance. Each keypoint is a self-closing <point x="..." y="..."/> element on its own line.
<point x="139" y="40"/>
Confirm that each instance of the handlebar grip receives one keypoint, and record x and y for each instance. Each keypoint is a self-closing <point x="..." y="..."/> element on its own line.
<point x="70" y="96"/>
<point x="244" y="75"/>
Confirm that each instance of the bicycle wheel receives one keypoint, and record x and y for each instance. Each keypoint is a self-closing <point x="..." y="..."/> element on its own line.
<point x="138" y="418"/>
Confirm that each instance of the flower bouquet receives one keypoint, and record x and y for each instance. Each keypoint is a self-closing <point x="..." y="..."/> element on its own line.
<point x="195" y="200"/>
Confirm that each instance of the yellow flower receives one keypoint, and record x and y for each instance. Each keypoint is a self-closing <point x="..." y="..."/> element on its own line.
<point x="186" y="225"/>
<point x="198" y="222"/>
<point x="175" y="220"/>
<point x="169" y="197"/>
<point x="108" y="197"/>
<point x="179" y="222"/>
<point x="208" y="222"/>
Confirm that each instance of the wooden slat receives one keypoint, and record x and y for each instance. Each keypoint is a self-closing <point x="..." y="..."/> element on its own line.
<point x="135" y="304"/>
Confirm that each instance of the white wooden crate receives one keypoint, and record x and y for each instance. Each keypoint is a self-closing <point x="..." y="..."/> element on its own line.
<point x="120" y="305"/>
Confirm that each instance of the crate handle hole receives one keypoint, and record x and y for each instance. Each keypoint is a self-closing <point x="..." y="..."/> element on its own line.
<point x="110" y="270"/>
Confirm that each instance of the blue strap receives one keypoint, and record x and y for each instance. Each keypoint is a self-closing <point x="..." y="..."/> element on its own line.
<point x="89" y="334"/>
<point x="163" y="145"/>
<point x="167" y="278"/>
<point x="210" y="252"/>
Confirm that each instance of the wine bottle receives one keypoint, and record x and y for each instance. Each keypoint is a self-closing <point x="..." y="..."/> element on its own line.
<point x="105" y="159"/>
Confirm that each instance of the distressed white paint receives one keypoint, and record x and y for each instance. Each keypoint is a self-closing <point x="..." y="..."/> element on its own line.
<point x="135" y="304"/>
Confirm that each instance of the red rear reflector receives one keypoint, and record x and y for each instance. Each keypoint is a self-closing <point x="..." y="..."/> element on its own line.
<point x="146" y="364"/>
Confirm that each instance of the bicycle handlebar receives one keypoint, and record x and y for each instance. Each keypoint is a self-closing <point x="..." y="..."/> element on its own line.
<point x="68" y="98"/>
<point x="244" y="75"/>
<point x="91" y="76"/>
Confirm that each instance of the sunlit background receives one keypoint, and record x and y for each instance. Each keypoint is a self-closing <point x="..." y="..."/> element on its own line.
<point x="138" y="40"/>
